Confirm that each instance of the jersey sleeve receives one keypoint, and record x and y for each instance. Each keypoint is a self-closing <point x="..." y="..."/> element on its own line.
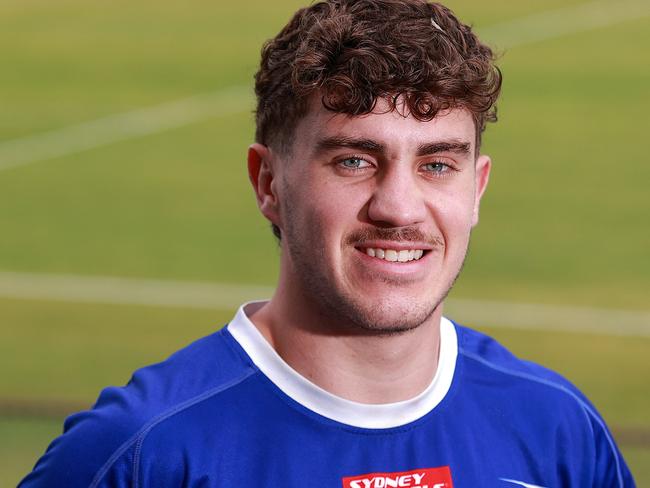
<point x="92" y="442"/>
<point x="97" y="446"/>
<point x="610" y="468"/>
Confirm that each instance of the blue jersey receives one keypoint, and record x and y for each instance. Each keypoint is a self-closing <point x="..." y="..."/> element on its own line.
<point x="227" y="411"/>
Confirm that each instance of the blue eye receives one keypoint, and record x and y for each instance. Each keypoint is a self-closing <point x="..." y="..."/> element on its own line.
<point x="435" y="167"/>
<point x="354" y="163"/>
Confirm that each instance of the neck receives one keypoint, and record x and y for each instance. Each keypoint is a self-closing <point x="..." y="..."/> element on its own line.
<point x="361" y="366"/>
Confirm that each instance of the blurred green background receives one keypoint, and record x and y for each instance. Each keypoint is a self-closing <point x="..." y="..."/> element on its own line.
<point x="87" y="192"/>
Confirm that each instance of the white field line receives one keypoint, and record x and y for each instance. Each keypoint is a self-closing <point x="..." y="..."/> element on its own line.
<point x="124" y="126"/>
<point x="131" y="291"/>
<point x="150" y="120"/>
<point x="127" y="291"/>
<point x="564" y="21"/>
<point x="561" y="318"/>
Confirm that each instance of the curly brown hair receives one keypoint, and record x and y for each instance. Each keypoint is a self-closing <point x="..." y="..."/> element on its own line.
<point x="353" y="52"/>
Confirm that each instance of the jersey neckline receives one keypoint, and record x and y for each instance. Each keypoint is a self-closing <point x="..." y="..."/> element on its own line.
<point x="333" y="407"/>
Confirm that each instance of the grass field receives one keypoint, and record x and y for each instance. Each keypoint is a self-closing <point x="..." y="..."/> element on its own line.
<point x="563" y="222"/>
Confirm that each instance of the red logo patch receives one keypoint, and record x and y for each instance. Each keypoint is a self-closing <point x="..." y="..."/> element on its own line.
<point x="418" y="478"/>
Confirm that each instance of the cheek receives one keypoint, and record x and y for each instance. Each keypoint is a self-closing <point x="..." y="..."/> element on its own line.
<point x="454" y="204"/>
<point x="453" y="213"/>
<point x="325" y="222"/>
<point x="333" y="216"/>
<point x="310" y="215"/>
<point x="334" y="204"/>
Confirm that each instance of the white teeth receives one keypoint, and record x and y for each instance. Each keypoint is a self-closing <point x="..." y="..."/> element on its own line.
<point x="392" y="255"/>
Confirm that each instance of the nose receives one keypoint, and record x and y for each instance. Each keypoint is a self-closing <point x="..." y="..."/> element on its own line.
<point x="397" y="201"/>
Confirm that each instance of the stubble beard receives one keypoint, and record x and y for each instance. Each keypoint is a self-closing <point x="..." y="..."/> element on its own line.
<point x="346" y="313"/>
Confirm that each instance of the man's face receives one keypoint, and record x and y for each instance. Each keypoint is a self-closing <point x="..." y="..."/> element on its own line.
<point x="376" y="213"/>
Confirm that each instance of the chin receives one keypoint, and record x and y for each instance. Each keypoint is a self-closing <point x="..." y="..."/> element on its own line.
<point x="387" y="317"/>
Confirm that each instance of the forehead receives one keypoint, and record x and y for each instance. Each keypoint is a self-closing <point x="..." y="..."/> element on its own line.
<point x="394" y="129"/>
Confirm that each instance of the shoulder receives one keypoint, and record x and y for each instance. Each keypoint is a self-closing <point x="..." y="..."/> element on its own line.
<point x="537" y="401"/>
<point x="484" y="357"/>
<point x="491" y="357"/>
<point x="96" y="440"/>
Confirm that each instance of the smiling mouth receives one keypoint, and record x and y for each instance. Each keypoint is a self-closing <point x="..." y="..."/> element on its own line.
<point x="395" y="256"/>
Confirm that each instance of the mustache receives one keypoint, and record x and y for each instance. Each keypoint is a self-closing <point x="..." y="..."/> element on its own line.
<point x="395" y="234"/>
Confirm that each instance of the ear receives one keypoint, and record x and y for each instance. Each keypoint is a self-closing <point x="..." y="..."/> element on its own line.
<point x="481" y="175"/>
<point x="261" y="176"/>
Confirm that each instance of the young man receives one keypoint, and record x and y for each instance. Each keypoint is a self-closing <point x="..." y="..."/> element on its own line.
<point x="367" y="165"/>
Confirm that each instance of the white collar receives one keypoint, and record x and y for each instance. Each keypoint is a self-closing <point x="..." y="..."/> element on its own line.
<point x="316" y="399"/>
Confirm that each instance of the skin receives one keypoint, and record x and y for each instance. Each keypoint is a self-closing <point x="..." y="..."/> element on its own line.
<point x="360" y="327"/>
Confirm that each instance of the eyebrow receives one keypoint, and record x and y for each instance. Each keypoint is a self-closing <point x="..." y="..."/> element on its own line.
<point x="336" y="142"/>
<point x="457" y="147"/>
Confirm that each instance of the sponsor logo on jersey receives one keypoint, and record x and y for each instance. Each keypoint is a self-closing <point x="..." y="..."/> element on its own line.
<point x="418" y="478"/>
